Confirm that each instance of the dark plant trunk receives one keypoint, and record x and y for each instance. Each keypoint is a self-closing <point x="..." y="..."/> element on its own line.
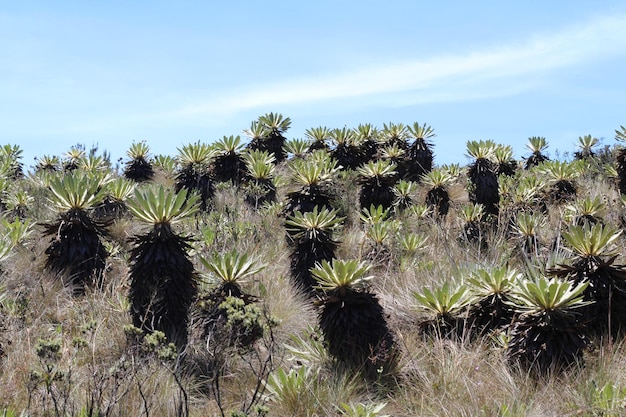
<point x="535" y="159"/>
<point x="348" y="156"/>
<point x="306" y="253"/>
<point x="376" y="192"/>
<point x="356" y="332"/>
<point x="229" y="167"/>
<point x="439" y="199"/>
<point x="76" y="249"/>
<point x="420" y="160"/>
<point x="196" y="182"/>
<point x="306" y="199"/>
<point x="163" y="283"/>
<point x="139" y="170"/>
<point x="485" y="186"/>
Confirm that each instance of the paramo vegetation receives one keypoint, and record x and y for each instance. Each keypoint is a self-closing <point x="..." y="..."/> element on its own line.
<point x="344" y="273"/>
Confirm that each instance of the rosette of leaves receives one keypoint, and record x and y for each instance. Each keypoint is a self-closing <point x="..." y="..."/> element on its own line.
<point x="377" y="180"/>
<point x="48" y="163"/>
<point x="548" y="334"/>
<point x="395" y="134"/>
<point x="420" y="154"/>
<point x="139" y="168"/>
<point x="352" y="320"/>
<point x="166" y="164"/>
<point x="437" y="197"/>
<point x="226" y="313"/>
<point x="526" y="227"/>
<point x="76" y="249"/>
<point x="346" y="149"/>
<point x="482" y="175"/>
<point x="443" y="307"/>
<point x="12" y="155"/>
<point x="523" y="194"/>
<point x="267" y="134"/>
<point x="318" y="137"/>
<point x="229" y="163"/>
<point x="313" y="180"/>
<point x="163" y="283"/>
<point x="593" y="263"/>
<point x="537" y="146"/>
<point x="620" y="159"/>
<point x="585" y="210"/>
<point x="113" y="205"/>
<point x="586" y="145"/>
<point x="473" y="230"/>
<point x="367" y="136"/>
<point x="312" y="236"/>
<point x="194" y="175"/>
<point x="19" y="203"/>
<point x="297" y="148"/>
<point x="72" y="158"/>
<point x="492" y="308"/>
<point x="259" y="187"/>
<point x="94" y="164"/>
<point x="505" y="164"/>
<point x="561" y="176"/>
<point x="404" y="194"/>
<point x="396" y="156"/>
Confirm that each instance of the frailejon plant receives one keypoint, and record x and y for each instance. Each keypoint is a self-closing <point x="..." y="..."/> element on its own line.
<point x="73" y="157"/>
<point x="491" y="309"/>
<point x="48" y="163"/>
<point x="275" y="126"/>
<point x="585" y="210"/>
<point x="113" y="205"/>
<point x="620" y="159"/>
<point x="313" y="180"/>
<point x="594" y="253"/>
<point x="395" y="134"/>
<point x="482" y="175"/>
<point x="163" y="283"/>
<point x="194" y="175"/>
<point x="139" y="168"/>
<point x="377" y="180"/>
<point x="526" y="228"/>
<point x="561" y="176"/>
<point x="505" y="164"/>
<point x="367" y="136"/>
<point x="404" y="195"/>
<point x="225" y="313"/>
<point x="259" y="187"/>
<point x="76" y="249"/>
<point x="473" y="233"/>
<point x="537" y="145"/>
<point x="229" y="163"/>
<point x="585" y="145"/>
<point x="297" y="148"/>
<point x="313" y="236"/>
<point x="420" y="154"/>
<point x="352" y="320"/>
<point x="437" y="197"/>
<point x="397" y="156"/>
<point x="443" y="307"/>
<point x="548" y="335"/>
<point x="11" y="155"/>
<point x="318" y="137"/>
<point x="346" y="149"/>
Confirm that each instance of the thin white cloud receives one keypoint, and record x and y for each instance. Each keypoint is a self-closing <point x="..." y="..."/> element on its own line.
<point x="503" y="71"/>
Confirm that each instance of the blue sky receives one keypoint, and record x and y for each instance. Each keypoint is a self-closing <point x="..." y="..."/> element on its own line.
<point x="173" y="73"/>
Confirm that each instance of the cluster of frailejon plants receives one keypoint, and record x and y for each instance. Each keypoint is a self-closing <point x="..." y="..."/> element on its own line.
<point x="239" y="276"/>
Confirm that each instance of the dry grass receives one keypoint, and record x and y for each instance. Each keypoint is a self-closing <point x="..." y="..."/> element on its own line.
<point x="435" y="377"/>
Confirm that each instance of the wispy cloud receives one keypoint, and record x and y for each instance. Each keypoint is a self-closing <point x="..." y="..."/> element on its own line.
<point x="501" y="71"/>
